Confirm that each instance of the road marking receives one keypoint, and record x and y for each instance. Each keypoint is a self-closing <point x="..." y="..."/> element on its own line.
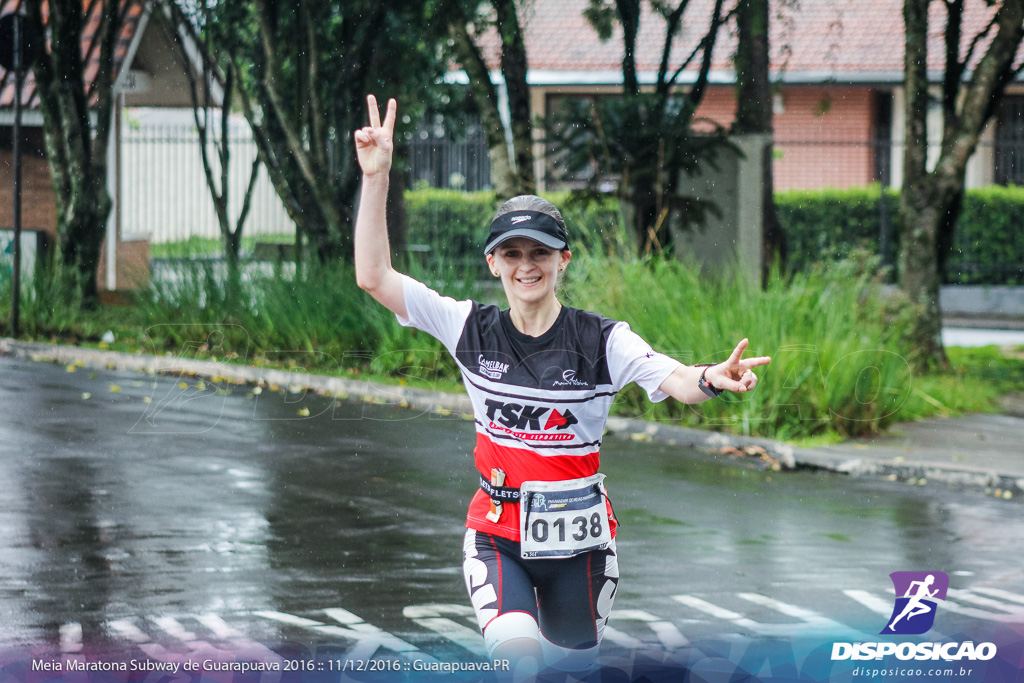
<point x="809" y="620"/>
<point x="220" y="628"/>
<point x="667" y="632"/>
<point x="621" y="639"/>
<point x="1013" y="614"/>
<point x="247" y="649"/>
<point x="71" y="638"/>
<point x="875" y="604"/>
<point x="708" y="608"/>
<point x="1000" y="593"/>
<point x="129" y="630"/>
<point x="173" y="628"/>
<point x="433" y="618"/>
<point x="368" y="638"/>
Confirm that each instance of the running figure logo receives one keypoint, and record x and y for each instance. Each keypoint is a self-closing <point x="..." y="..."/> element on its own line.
<point x="917" y="594"/>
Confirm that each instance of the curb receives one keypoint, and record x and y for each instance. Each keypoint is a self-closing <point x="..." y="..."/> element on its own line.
<point x="775" y="454"/>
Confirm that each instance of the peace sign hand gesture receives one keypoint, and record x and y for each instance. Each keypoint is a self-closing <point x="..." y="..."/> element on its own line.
<point x="735" y="373"/>
<point x="375" y="143"/>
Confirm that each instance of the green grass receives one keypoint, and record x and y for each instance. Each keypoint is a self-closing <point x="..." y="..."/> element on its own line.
<point x="211" y="246"/>
<point x="841" y="363"/>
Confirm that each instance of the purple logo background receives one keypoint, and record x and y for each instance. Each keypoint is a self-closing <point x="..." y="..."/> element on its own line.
<point x="917" y="596"/>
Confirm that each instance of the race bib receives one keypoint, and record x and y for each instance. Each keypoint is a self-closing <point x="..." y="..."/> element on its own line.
<point x="559" y="519"/>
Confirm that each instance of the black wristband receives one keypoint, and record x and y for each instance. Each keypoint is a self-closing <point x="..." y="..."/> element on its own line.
<point x="704" y="385"/>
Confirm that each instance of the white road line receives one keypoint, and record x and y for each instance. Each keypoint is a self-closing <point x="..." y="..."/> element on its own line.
<point x="621" y="639"/>
<point x="666" y="631"/>
<point x="248" y="649"/>
<point x="291" y="619"/>
<point x="219" y="627"/>
<point x="129" y="630"/>
<point x="173" y="628"/>
<point x="808" y="619"/>
<point x="1011" y="613"/>
<point x="372" y="638"/>
<point x="811" y="618"/>
<point x="875" y="604"/>
<point x="433" y="618"/>
<point x="708" y="608"/>
<point x="71" y="638"/>
<point x="1000" y="593"/>
<point x="368" y="638"/>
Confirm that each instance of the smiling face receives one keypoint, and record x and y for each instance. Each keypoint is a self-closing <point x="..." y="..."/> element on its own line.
<point x="528" y="269"/>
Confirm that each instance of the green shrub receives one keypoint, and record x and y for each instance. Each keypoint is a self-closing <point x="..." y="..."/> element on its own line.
<point x="51" y="298"/>
<point x="988" y="245"/>
<point x="449" y="227"/>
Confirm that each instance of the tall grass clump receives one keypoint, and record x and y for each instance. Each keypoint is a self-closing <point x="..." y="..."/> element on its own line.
<point x="51" y="302"/>
<point x="839" y="359"/>
<point x="313" y="317"/>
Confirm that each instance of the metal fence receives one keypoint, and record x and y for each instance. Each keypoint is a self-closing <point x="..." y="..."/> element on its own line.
<point x="438" y="159"/>
<point x="164" y="196"/>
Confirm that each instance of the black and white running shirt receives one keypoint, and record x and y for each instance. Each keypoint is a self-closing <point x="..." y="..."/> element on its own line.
<point x="540" y="403"/>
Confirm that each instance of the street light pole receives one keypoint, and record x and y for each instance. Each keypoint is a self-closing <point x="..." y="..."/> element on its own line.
<point x="16" y="149"/>
<point x="19" y="43"/>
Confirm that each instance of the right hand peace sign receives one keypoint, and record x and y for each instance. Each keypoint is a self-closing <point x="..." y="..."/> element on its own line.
<point x="736" y="373"/>
<point x="374" y="143"/>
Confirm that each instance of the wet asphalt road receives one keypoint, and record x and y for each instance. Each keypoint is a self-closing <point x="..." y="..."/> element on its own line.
<point x="147" y="512"/>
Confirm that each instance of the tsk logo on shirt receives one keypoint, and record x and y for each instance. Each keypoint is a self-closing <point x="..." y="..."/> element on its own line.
<point x="492" y="368"/>
<point x="513" y="418"/>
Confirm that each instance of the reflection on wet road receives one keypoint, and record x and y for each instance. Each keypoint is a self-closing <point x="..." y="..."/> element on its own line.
<point x="163" y="512"/>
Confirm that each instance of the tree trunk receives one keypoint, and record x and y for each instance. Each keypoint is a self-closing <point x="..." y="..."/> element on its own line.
<point x="629" y="15"/>
<point x="87" y="213"/>
<point x="76" y="151"/>
<point x="931" y="200"/>
<point x="919" y="274"/>
<point x="754" y="115"/>
<point x="514" y="69"/>
<point x="919" y="209"/>
<point x="486" y="99"/>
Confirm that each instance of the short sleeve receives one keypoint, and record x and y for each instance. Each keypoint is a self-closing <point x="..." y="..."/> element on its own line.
<point x="631" y="359"/>
<point x="439" y="316"/>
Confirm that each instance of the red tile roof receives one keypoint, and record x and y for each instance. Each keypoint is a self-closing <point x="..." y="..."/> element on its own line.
<point x="812" y="40"/>
<point x="132" y="10"/>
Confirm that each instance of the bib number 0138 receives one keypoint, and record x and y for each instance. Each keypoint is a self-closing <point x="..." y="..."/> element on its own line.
<point x="583" y="528"/>
<point x="562" y="519"/>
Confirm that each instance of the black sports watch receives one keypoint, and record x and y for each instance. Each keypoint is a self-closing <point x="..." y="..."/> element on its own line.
<point x="704" y="385"/>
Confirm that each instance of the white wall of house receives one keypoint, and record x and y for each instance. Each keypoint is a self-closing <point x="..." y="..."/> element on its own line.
<point x="164" y="193"/>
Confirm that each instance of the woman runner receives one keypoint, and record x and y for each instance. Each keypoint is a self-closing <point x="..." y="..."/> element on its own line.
<point x="539" y="552"/>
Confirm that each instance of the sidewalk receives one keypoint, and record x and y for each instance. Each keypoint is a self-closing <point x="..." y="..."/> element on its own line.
<point x="974" y="451"/>
<point x="984" y="452"/>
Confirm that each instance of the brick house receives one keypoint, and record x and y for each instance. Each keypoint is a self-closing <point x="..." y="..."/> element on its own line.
<point x="837" y="66"/>
<point x="147" y="73"/>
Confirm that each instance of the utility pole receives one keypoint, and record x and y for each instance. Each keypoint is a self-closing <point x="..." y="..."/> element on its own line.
<point x="23" y="46"/>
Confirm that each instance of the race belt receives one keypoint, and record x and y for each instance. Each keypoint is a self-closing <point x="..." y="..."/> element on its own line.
<point x="500" y="494"/>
